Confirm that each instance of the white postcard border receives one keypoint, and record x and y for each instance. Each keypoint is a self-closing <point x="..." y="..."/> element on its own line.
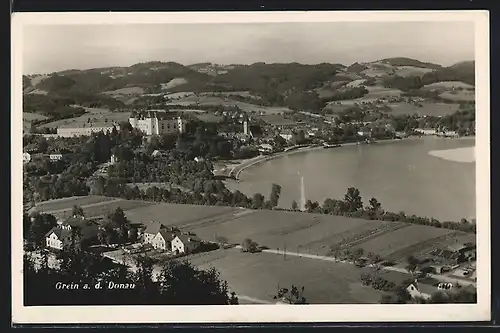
<point x="259" y="313"/>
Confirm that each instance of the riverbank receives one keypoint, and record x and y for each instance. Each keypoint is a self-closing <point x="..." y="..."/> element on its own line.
<point x="245" y="164"/>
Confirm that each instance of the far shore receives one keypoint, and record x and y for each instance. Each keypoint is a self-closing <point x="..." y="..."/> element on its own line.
<point x="240" y="166"/>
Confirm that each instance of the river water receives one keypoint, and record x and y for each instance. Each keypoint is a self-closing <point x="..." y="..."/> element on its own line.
<point x="402" y="175"/>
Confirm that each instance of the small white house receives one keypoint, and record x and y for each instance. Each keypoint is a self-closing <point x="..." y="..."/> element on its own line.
<point x="199" y="159"/>
<point x="157" y="153"/>
<point x="26" y="157"/>
<point x="185" y="244"/>
<point x="420" y="291"/>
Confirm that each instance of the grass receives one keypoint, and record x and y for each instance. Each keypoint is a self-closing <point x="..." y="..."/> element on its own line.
<point x="191" y="99"/>
<point x="259" y="275"/>
<point x="27" y="116"/>
<point x="173" y="83"/>
<point x="428" y="109"/>
<point x="462" y="95"/>
<point x="125" y="91"/>
<point x="411" y="71"/>
<point x="275" y="119"/>
<point x="448" y="85"/>
<point x="179" y="215"/>
<point x="397" y="240"/>
<point x="67" y="203"/>
<point x="295" y="231"/>
<point x="97" y="116"/>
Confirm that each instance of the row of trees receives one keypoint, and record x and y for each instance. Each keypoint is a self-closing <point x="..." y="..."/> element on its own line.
<point x="352" y="206"/>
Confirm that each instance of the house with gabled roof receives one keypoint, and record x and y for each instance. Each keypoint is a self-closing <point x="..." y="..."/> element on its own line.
<point x="420" y="290"/>
<point x="62" y="234"/>
<point x="163" y="239"/>
<point x="185" y="243"/>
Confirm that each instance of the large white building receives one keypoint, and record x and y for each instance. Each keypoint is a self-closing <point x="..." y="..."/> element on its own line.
<point x="84" y="130"/>
<point x="158" y="122"/>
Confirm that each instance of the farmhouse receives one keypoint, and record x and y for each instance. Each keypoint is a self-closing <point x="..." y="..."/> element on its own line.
<point x="185" y="243"/>
<point x="157" y="122"/>
<point x="417" y="290"/>
<point x="163" y="239"/>
<point x="152" y="229"/>
<point x="62" y="234"/>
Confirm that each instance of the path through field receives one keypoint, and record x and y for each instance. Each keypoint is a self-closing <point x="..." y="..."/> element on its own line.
<point x="442" y="278"/>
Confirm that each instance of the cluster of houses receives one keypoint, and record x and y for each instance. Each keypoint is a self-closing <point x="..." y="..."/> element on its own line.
<point x="166" y="238"/>
<point x="157" y="235"/>
<point x="53" y="157"/>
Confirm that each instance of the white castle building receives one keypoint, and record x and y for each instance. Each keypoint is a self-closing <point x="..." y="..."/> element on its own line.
<point x="158" y="122"/>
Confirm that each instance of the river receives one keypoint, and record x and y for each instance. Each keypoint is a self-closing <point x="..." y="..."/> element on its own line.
<point x="402" y="175"/>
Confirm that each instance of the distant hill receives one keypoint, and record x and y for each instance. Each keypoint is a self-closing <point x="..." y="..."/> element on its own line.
<point x="356" y="68"/>
<point x="401" y="61"/>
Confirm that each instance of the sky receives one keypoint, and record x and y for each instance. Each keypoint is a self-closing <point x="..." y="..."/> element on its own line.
<point x="49" y="48"/>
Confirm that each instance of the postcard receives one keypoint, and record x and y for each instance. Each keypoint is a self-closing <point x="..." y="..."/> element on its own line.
<point x="257" y="167"/>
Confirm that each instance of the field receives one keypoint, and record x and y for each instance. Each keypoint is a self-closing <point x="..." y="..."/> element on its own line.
<point x="173" y="83"/>
<point x="448" y="85"/>
<point x="276" y="119"/>
<point x="67" y="203"/>
<point x="355" y="83"/>
<point x="125" y="91"/>
<point x="374" y="72"/>
<point x="411" y="71"/>
<point x="97" y="116"/>
<point x="463" y="95"/>
<point x="191" y="99"/>
<point x="295" y="231"/>
<point x="259" y="275"/>
<point x="300" y="232"/>
<point x="378" y="91"/>
<point x="28" y="117"/>
<point x="428" y="109"/>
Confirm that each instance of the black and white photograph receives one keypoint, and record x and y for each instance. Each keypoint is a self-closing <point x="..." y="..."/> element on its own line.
<point x="208" y="167"/>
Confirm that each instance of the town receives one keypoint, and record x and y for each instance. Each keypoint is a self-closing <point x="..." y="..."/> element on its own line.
<point x="136" y="181"/>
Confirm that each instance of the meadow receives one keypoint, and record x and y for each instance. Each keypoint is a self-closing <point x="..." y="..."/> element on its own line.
<point x="411" y="71"/>
<point x="190" y="99"/>
<point x="427" y="109"/>
<point x="295" y="231"/>
<point x="259" y="275"/>
<point x="99" y="117"/>
<point x="125" y="91"/>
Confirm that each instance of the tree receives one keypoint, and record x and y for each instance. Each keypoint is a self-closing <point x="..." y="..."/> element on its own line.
<point x="294" y="205"/>
<point x="221" y="240"/>
<point x="77" y="211"/>
<point x="375" y="206"/>
<point x="249" y="246"/>
<point x="352" y="200"/>
<point x="183" y="284"/>
<point x="412" y="264"/>
<point x="291" y="296"/>
<point x="258" y="201"/>
<point x="40" y="225"/>
<point x="275" y="195"/>
<point x="335" y="250"/>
